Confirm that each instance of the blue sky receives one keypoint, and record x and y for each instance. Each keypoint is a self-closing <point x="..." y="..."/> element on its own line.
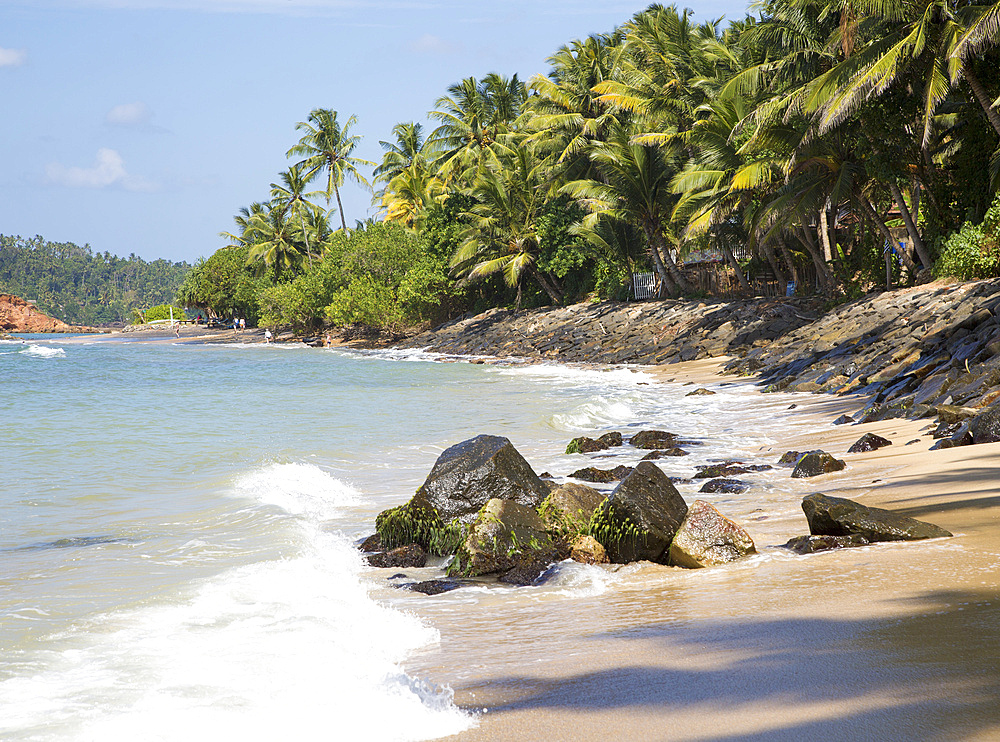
<point x="144" y="125"/>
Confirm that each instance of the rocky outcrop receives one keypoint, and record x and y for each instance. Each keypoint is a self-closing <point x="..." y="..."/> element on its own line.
<point x="601" y="476"/>
<point x="412" y="555"/>
<point x="17" y="315"/>
<point x="583" y="444"/>
<point x="468" y="474"/>
<point x="587" y="550"/>
<point x="639" y="519"/>
<point x="813" y="544"/>
<point x="504" y="536"/>
<point x="707" y="538"/>
<point x="569" y="507"/>
<point x="815" y="463"/>
<point x="836" y="516"/>
<point x="869" y="442"/>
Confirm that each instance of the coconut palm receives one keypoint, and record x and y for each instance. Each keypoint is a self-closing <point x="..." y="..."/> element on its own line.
<point x="291" y="194"/>
<point x="274" y="245"/>
<point x="634" y="186"/>
<point x="502" y="236"/>
<point x="326" y="145"/>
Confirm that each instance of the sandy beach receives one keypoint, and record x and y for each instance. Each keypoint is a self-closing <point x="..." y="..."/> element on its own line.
<point x="886" y="642"/>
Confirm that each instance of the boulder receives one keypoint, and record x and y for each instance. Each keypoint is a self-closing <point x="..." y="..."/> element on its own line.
<point x="843" y="420"/>
<point x="700" y="391"/>
<point x="836" y="516"/>
<point x="570" y="507"/>
<point x="432" y="587"/>
<point x="639" y="519"/>
<point x="791" y="458"/>
<point x="869" y="442"/>
<point x="611" y="439"/>
<point x="468" y="474"/>
<point x="724" y="485"/>
<point x="371" y="544"/>
<point x="601" y="476"/>
<point x="812" y="544"/>
<point x="707" y="538"/>
<point x="415" y="522"/>
<point x="583" y="444"/>
<point x="504" y="535"/>
<point x="527" y="572"/>
<point x="653" y="439"/>
<point x="727" y="469"/>
<point x="411" y="555"/>
<point x="815" y="463"/>
<point x="587" y="550"/>
<point x="985" y="427"/>
<point x="663" y="453"/>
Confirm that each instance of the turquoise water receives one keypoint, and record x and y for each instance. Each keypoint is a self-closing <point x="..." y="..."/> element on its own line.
<point x="177" y="525"/>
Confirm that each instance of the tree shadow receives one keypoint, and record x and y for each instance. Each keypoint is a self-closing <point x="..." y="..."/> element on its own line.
<point x="932" y="673"/>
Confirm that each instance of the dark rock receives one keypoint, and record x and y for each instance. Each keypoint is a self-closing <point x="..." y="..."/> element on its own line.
<point x="869" y="442"/>
<point x="815" y="463"/>
<point x="707" y="538"/>
<point x="415" y="522"/>
<point x="639" y="519"/>
<point x="791" y="458"/>
<point x="432" y="587"/>
<point x="653" y="439"/>
<point x="570" y="507"/>
<point x="948" y="413"/>
<point x="727" y="469"/>
<point x="699" y="392"/>
<point x="843" y="420"/>
<point x="836" y="516"/>
<point x="583" y="444"/>
<point x="527" y="573"/>
<point x="412" y="555"/>
<point x="664" y="453"/>
<point x="601" y="476"/>
<point x="611" y="439"/>
<point x="371" y="544"/>
<point x="727" y="486"/>
<point x="469" y="474"/>
<point x="985" y="427"/>
<point x="504" y="535"/>
<point x="812" y="544"/>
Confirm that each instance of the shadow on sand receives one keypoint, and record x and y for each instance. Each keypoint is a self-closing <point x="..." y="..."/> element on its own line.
<point x="932" y="673"/>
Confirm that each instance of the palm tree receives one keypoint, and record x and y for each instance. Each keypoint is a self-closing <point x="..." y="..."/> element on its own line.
<point x="634" y="186"/>
<point x="274" y="246"/>
<point x="328" y="146"/>
<point x="502" y="236"/>
<point x="291" y="194"/>
<point x="473" y="115"/>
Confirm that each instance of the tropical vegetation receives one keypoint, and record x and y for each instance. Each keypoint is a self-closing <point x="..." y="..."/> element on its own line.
<point x="83" y="287"/>
<point x="840" y="145"/>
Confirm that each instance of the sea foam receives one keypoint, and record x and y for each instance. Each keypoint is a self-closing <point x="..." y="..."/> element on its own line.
<point x="43" y="351"/>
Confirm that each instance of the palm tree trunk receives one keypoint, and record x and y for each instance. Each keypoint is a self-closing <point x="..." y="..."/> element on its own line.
<point x="873" y="216"/>
<point x="822" y="269"/>
<point x="659" y="246"/>
<point x="305" y="236"/>
<point x="731" y="259"/>
<point x="982" y="96"/>
<point x="665" y="280"/>
<point x="549" y="287"/>
<point x="340" y="206"/>
<point x="789" y="260"/>
<point x="772" y="261"/>
<point x="911" y="228"/>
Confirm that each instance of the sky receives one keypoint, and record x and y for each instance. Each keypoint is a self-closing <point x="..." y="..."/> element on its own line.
<point x="143" y="126"/>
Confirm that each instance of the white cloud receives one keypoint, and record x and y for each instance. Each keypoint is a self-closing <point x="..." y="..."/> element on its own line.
<point x="108" y="170"/>
<point x="431" y="44"/>
<point x="129" y="114"/>
<point x="12" y="57"/>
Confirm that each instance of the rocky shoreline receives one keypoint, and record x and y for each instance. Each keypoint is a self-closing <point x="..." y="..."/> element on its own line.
<point x="928" y="351"/>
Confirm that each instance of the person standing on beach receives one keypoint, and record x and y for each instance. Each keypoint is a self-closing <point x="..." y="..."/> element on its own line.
<point x="177" y="330"/>
<point x="243" y="324"/>
<point x="267" y="336"/>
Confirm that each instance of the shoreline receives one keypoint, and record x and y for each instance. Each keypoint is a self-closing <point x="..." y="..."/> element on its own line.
<point x="853" y="644"/>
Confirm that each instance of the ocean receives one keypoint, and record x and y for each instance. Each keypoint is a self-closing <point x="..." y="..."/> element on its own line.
<point x="178" y="526"/>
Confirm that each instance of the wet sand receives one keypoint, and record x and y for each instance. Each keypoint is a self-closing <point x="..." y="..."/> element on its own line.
<point x="887" y="642"/>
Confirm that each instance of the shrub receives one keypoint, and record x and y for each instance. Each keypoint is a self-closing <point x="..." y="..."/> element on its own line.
<point x="974" y="250"/>
<point x="159" y="312"/>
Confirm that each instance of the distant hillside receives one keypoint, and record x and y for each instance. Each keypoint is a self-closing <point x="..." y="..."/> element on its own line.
<point x="81" y="287"/>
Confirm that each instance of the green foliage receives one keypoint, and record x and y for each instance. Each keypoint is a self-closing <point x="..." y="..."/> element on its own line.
<point x="159" y="312"/>
<point x="80" y="286"/>
<point x="974" y="250"/>
<point x="224" y="285"/>
<point x="367" y="302"/>
<point x="417" y="523"/>
<point x="614" y="532"/>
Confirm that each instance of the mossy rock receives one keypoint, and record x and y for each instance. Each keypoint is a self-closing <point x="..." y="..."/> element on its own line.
<point x="417" y="523"/>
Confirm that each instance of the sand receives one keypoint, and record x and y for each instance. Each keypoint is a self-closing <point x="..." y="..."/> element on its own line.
<point x="886" y="642"/>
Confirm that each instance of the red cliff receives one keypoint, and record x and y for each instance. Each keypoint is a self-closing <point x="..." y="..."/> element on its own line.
<point x="17" y="315"/>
